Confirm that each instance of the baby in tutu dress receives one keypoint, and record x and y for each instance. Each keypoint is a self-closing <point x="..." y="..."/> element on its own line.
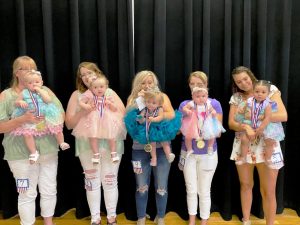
<point x="257" y="113"/>
<point x="200" y="122"/>
<point x="148" y="126"/>
<point x="153" y="113"/>
<point x="37" y="97"/>
<point x="105" y="120"/>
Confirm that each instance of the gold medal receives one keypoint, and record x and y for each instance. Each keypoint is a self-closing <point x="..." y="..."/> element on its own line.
<point x="200" y="144"/>
<point x="40" y="126"/>
<point x="148" y="147"/>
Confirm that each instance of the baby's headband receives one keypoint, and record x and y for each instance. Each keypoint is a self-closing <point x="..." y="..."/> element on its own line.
<point x="35" y="72"/>
<point x="199" y="89"/>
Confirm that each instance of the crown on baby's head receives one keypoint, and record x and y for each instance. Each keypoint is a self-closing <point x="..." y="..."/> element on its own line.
<point x="154" y="92"/>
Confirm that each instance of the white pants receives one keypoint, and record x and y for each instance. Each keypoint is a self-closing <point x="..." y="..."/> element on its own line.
<point x="198" y="174"/>
<point x="106" y="172"/>
<point x="28" y="177"/>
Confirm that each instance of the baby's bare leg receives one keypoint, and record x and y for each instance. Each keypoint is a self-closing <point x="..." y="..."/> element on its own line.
<point x="153" y="161"/>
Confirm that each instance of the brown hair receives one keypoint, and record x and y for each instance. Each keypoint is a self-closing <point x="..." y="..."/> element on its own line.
<point x="238" y="70"/>
<point x="81" y="87"/>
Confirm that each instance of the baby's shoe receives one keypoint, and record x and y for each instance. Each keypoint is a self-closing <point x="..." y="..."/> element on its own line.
<point x="96" y="158"/>
<point x="34" y="157"/>
<point x="171" y="157"/>
<point x="63" y="146"/>
<point x="114" y="157"/>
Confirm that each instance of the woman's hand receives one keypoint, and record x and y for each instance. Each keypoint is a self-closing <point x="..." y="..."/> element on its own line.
<point x="249" y="131"/>
<point x="30" y="117"/>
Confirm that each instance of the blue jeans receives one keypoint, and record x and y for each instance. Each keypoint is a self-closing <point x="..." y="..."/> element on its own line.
<point x="142" y="169"/>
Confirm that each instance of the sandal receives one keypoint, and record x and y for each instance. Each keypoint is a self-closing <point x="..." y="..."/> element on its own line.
<point x="112" y="223"/>
<point x="34" y="157"/>
<point x="96" y="158"/>
<point x="63" y="146"/>
<point x="114" y="157"/>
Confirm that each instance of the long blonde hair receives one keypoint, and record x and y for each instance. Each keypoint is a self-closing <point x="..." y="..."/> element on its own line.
<point x="137" y="84"/>
<point x="17" y="65"/>
<point x="81" y="87"/>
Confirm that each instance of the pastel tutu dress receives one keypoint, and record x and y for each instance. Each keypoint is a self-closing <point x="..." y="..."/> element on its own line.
<point x="101" y="123"/>
<point x="200" y="124"/>
<point x="53" y="122"/>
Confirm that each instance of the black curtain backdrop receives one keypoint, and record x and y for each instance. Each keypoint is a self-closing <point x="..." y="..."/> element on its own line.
<point x="172" y="38"/>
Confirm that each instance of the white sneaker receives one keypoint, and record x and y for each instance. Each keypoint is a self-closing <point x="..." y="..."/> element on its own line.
<point x="159" y="221"/>
<point x="248" y="222"/>
<point x="171" y="157"/>
<point x="141" y="221"/>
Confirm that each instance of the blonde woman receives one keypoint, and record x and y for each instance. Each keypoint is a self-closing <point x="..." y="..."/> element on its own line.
<point x="29" y="176"/>
<point x="200" y="166"/>
<point x="142" y="82"/>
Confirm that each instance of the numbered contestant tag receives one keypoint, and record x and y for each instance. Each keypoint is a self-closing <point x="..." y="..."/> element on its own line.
<point x="200" y="144"/>
<point x="148" y="148"/>
<point x="41" y="126"/>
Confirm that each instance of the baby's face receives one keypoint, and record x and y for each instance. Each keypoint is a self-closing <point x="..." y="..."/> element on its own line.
<point x="261" y="92"/>
<point x="152" y="103"/>
<point x="33" y="81"/>
<point x="99" y="87"/>
<point x="200" y="97"/>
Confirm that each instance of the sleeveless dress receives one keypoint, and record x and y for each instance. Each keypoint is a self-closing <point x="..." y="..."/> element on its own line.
<point x="53" y="122"/>
<point x="201" y="124"/>
<point x="256" y="152"/>
<point x="101" y="123"/>
<point x="164" y="130"/>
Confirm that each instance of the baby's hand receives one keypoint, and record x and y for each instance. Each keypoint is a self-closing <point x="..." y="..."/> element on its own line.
<point x="141" y="93"/>
<point x="37" y="89"/>
<point x="109" y="102"/>
<point x="261" y="117"/>
<point x="151" y="119"/>
<point x="188" y="112"/>
<point x="213" y="113"/>
<point x="22" y="104"/>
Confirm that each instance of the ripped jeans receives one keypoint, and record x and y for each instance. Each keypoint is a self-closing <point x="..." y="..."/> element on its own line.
<point x="105" y="173"/>
<point x="142" y="170"/>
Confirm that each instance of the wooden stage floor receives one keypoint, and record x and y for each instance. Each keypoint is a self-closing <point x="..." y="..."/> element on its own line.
<point x="288" y="217"/>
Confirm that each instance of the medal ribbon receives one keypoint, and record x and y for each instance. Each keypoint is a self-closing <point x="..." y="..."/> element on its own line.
<point x="255" y="111"/>
<point x="198" y="117"/>
<point x="148" y="123"/>
<point x="35" y="103"/>
<point x="99" y="104"/>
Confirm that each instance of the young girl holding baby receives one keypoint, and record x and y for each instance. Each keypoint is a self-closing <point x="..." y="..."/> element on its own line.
<point x="104" y="122"/>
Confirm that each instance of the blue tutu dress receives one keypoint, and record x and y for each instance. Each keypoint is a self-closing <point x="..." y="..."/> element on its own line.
<point x="53" y="116"/>
<point x="165" y="130"/>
